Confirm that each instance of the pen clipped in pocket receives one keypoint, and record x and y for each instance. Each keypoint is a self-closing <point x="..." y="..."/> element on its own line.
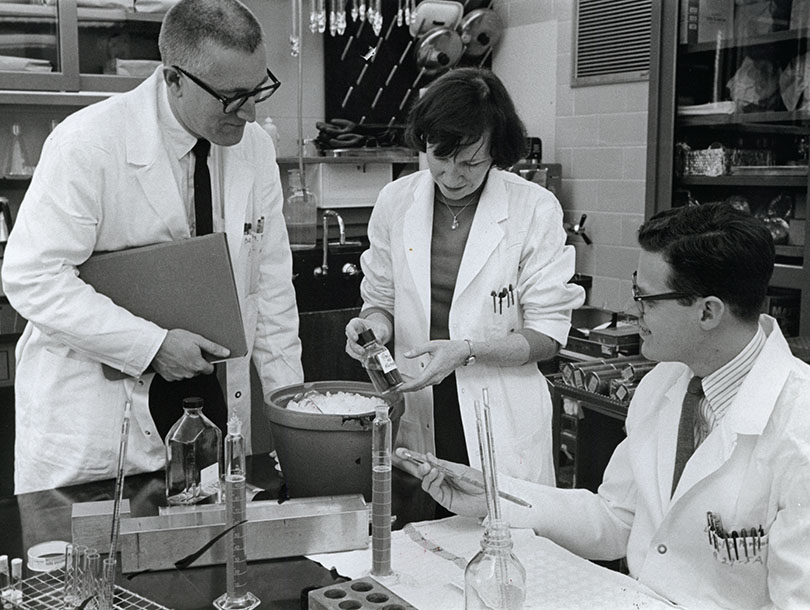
<point x="746" y="545"/>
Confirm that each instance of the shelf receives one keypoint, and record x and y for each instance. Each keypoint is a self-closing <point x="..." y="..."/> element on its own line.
<point x="749" y="180"/>
<point x="754" y="41"/>
<point x="790" y="250"/>
<point x="359" y="160"/>
<point x="27" y="12"/>
<point x="112" y="15"/>
<point x="37" y="12"/>
<point x="798" y="117"/>
<point x="53" y="98"/>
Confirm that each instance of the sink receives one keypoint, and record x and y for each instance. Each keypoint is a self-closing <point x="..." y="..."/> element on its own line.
<point x="333" y="290"/>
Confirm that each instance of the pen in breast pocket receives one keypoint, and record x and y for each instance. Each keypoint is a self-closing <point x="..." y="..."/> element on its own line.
<point x="460" y="477"/>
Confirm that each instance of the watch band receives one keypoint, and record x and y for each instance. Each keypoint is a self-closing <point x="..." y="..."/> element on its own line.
<point x="471" y="358"/>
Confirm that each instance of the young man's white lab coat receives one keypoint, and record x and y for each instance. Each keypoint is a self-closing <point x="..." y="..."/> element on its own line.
<point x="752" y="470"/>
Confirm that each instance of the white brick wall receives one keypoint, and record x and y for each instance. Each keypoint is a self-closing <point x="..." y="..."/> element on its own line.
<point x="597" y="133"/>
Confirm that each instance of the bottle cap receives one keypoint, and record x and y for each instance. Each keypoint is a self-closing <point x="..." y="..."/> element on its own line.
<point x="366" y="337"/>
<point x="193" y="402"/>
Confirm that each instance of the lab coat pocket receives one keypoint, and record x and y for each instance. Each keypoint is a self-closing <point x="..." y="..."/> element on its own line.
<point x="249" y="262"/>
<point x="503" y="311"/>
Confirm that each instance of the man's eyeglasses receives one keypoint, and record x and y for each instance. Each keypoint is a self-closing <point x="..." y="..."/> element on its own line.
<point x="234" y="103"/>
<point x="663" y="296"/>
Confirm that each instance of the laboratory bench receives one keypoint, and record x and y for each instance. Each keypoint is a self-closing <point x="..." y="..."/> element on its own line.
<point x="37" y="517"/>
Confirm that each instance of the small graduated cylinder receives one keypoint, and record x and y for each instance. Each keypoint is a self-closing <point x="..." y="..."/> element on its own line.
<point x="381" y="492"/>
<point x="237" y="596"/>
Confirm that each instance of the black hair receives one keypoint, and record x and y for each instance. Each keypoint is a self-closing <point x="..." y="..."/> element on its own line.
<point x="714" y="250"/>
<point x="458" y="108"/>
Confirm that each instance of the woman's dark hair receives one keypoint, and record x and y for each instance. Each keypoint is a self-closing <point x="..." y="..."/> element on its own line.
<point x="714" y="250"/>
<point x="461" y="106"/>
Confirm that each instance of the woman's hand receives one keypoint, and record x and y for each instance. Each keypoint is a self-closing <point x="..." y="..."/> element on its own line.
<point x="358" y="325"/>
<point x="449" y="490"/>
<point x="445" y="357"/>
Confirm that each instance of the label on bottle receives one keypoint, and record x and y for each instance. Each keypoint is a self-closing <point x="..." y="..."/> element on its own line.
<point x="209" y="479"/>
<point x="386" y="360"/>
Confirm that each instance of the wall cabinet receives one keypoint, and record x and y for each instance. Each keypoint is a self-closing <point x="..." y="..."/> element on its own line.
<point x="729" y="120"/>
<point x="58" y="46"/>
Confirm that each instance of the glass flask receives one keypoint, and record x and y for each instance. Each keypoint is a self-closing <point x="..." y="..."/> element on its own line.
<point x="193" y="457"/>
<point x="300" y="212"/>
<point x="495" y="579"/>
<point x="17" y="163"/>
<point x="379" y="364"/>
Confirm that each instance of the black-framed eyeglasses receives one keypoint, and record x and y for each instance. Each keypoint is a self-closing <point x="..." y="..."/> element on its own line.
<point x="234" y="103"/>
<point x="662" y="296"/>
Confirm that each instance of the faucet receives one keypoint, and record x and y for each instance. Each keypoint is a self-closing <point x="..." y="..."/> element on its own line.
<point x="324" y="268"/>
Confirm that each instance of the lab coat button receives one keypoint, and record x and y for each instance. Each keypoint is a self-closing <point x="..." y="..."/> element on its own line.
<point x="238" y="395"/>
<point x="140" y="381"/>
<point x="662" y="548"/>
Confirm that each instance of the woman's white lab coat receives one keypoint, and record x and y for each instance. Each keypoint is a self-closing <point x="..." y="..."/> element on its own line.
<point x="516" y="239"/>
<point x="752" y="470"/>
<point x="104" y="183"/>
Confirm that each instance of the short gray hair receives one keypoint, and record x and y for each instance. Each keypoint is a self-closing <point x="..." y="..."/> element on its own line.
<point x="191" y="25"/>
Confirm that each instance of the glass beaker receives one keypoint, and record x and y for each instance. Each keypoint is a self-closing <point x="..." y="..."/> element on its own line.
<point x="300" y="212"/>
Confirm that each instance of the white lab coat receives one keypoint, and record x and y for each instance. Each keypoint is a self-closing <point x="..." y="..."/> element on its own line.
<point x="516" y="238"/>
<point x="104" y="183"/>
<point x="753" y="469"/>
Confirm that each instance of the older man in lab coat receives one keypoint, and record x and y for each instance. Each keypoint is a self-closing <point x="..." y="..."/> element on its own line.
<point x="120" y="174"/>
<point x="712" y="512"/>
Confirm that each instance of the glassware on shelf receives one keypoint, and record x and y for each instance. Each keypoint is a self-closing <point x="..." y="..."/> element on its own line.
<point x="300" y="212"/>
<point x="17" y="163"/>
<point x="193" y="457"/>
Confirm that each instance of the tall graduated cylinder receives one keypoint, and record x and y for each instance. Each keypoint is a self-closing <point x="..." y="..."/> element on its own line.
<point x="381" y="440"/>
<point x="193" y="457"/>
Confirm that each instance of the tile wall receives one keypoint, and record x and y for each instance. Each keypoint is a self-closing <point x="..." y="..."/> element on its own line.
<point x="597" y="133"/>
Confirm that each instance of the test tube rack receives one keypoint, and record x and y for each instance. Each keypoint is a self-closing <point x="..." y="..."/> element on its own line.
<point x="360" y="594"/>
<point x="44" y="591"/>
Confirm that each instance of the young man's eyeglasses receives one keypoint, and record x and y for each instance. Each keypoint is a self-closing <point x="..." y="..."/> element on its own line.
<point x="663" y="296"/>
<point x="234" y="103"/>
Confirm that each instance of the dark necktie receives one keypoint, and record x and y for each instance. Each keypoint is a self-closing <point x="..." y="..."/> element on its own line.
<point x="203" y="213"/>
<point x="686" y="428"/>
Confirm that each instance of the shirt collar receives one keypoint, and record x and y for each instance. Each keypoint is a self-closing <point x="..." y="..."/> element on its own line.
<point x="721" y="387"/>
<point x="177" y="138"/>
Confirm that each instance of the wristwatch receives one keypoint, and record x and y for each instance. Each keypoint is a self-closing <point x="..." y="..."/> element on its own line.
<point x="471" y="358"/>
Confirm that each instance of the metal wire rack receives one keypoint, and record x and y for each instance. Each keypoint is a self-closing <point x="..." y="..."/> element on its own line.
<point x="44" y="592"/>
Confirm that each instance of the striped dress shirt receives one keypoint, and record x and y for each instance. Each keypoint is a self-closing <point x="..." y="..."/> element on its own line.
<point x="721" y="387"/>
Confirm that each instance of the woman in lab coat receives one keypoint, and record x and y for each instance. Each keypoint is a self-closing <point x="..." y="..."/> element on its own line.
<point x="468" y="272"/>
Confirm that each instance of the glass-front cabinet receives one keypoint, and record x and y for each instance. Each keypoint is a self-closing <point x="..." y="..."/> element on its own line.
<point x="70" y="46"/>
<point x="729" y="120"/>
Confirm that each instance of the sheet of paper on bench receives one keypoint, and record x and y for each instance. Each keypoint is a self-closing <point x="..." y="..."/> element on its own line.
<point x="186" y="284"/>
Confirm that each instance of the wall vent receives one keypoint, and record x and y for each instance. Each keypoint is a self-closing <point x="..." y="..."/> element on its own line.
<point x="611" y="41"/>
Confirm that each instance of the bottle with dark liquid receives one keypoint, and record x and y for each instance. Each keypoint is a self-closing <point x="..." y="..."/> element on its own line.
<point x="380" y="365"/>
